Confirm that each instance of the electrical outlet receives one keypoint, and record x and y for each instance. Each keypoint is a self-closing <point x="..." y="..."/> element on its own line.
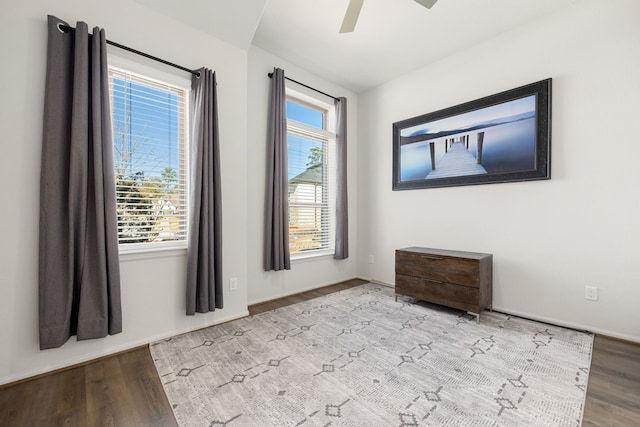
<point x="233" y="284"/>
<point x="591" y="293"/>
<point x="371" y="259"/>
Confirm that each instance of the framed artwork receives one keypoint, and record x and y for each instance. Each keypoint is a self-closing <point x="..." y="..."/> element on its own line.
<point x="504" y="137"/>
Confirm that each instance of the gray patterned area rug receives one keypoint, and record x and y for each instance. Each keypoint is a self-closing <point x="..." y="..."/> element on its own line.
<point x="359" y="358"/>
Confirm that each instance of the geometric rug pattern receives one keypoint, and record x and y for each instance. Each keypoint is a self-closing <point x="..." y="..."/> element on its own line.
<point x="359" y="358"/>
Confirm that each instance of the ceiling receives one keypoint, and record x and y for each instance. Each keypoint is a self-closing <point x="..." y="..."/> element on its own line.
<point x="392" y="37"/>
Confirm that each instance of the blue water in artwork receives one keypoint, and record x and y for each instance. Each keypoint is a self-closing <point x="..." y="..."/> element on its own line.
<point x="510" y="147"/>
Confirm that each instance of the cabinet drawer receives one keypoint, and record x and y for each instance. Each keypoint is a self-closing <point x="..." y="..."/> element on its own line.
<point x="452" y="295"/>
<point x="441" y="268"/>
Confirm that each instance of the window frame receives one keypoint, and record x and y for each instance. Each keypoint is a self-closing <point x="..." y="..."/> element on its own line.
<point x="328" y="135"/>
<point x="123" y="63"/>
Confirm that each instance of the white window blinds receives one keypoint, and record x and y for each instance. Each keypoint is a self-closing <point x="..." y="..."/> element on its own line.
<point x="149" y="121"/>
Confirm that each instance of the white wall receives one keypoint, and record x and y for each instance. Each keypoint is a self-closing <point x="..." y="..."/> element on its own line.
<point x="152" y="288"/>
<point x="307" y="274"/>
<point x="549" y="238"/>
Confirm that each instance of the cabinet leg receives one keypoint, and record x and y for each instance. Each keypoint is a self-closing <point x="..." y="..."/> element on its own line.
<point x="475" y="314"/>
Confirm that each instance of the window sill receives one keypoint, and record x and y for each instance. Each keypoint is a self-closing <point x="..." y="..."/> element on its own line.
<point x="301" y="258"/>
<point x="139" y="253"/>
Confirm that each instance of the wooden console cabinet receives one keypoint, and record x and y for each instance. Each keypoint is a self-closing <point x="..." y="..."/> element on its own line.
<point x="456" y="279"/>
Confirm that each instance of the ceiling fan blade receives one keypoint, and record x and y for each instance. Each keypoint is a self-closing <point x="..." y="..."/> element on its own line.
<point x="427" y="3"/>
<point x="351" y="16"/>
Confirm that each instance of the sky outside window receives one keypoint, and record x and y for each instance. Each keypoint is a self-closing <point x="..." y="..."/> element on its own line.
<point x="303" y="114"/>
<point x="303" y="151"/>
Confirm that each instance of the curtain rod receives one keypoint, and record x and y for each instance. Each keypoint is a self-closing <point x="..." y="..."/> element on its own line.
<point x="66" y="28"/>
<point x="308" y="87"/>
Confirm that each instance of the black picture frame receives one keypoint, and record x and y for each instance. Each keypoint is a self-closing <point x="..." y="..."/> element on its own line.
<point x="508" y="136"/>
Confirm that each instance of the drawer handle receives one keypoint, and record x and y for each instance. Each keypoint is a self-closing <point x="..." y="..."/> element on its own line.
<point x="432" y="257"/>
<point x="433" y="280"/>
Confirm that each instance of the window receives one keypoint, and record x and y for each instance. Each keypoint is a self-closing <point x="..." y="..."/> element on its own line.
<point x="311" y="156"/>
<point x="149" y="120"/>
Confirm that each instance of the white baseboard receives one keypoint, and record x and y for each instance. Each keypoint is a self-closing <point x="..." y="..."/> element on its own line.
<point x="128" y="346"/>
<point x="550" y="320"/>
<point x="299" y="291"/>
<point x="381" y="283"/>
<point x="566" y="324"/>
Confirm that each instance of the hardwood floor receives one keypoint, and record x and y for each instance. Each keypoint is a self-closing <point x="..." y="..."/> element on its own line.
<point x="120" y="390"/>
<point x="124" y="389"/>
<point x="613" y="392"/>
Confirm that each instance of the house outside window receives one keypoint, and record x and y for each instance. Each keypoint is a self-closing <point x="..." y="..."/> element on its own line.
<point x="150" y="137"/>
<point x="311" y="174"/>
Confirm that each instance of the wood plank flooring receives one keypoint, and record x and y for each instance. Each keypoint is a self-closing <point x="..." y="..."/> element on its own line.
<point x="120" y="390"/>
<point x="613" y="392"/>
<point x="124" y="389"/>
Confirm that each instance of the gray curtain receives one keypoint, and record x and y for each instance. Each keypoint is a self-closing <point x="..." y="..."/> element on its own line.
<point x="204" y="253"/>
<point x="276" y="239"/>
<point x="342" y="208"/>
<point x="79" y="273"/>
